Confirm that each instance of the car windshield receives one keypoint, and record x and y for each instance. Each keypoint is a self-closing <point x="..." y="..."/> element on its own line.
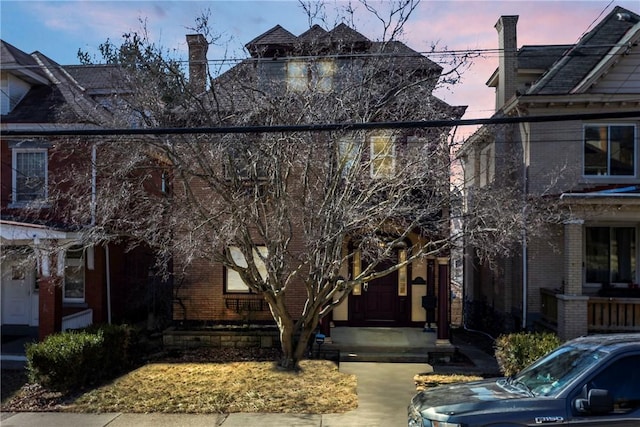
<point x="550" y="374"/>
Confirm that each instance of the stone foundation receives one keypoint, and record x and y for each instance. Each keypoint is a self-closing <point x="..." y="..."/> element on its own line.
<point x="224" y="337"/>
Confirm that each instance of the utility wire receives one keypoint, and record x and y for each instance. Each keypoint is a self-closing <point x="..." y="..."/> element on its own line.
<point x="327" y="127"/>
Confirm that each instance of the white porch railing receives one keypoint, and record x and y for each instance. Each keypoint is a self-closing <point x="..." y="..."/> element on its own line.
<point x="78" y="320"/>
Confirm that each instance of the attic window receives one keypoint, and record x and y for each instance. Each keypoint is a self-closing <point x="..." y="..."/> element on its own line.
<point x="314" y="75"/>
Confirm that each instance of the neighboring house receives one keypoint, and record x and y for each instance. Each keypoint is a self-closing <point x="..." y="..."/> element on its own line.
<point x="52" y="277"/>
<point x="211" y="293"/>
<point x="582" y="276"/>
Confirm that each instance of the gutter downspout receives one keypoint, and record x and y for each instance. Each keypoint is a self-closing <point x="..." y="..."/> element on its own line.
<point x="524" y="128"/>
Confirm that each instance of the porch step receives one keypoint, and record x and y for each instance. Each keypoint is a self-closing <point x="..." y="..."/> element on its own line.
<point x="386" y="357"/>
<point x="385" y="354"/>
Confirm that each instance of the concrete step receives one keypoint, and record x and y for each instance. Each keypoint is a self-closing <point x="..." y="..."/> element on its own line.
<point x="384" y="357"/>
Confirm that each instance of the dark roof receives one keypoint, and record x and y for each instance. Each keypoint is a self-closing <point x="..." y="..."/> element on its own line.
<point x="345" y="34"/>
<point x="19" y="61"/>
<point x="98" y="79"/>
<point x="540" y="57"/>
<point x="276" y="37"/>
<point x="405" y="56"/>
<point x="313" y="34"/>
<point x="581" y="59"/>
<point x="40" y="105"/>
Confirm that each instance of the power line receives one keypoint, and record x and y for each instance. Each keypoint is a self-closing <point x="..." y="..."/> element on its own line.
<point x="326" y="127"/>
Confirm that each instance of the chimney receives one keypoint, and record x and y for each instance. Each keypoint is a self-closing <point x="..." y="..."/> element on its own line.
<point x="508" y="68"/>
<point x="198" y="47"/>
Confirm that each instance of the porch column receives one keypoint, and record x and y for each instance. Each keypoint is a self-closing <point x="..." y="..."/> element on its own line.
<point x="572" y="305"/>
<point x="444" y="289"/>
<point x="50" y="295"/>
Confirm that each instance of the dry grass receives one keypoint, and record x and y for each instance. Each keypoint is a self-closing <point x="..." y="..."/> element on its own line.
<point x="424" y="381"/>
<point x="223" y="388"/>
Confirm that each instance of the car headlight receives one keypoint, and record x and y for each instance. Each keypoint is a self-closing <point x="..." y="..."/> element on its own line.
<point x="416" y="420"/>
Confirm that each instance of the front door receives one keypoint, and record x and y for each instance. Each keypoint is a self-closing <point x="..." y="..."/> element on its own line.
<point x="380" y="297"/>
<point x="17" y="290"/>
<point x="379" y="302"/>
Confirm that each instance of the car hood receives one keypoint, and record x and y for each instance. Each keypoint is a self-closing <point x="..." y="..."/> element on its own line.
<point x="465" y="397"/>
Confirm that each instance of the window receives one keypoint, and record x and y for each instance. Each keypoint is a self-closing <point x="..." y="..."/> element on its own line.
<point x="609" y="150"/>
<point x="244" y="162"/>
<point x="487" y="166"/>
<point x="347" y="154"/>
<point x="622" y="380"/>
<point x="611" y="255"/>
<point x="383" y="156"/>
<point x="234" y="282"/>
<point x="305" y="75"/>
<point x="74" y="275"/>
<point x="29" y="175"/>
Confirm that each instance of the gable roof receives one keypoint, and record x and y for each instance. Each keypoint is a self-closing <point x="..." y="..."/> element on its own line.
<point x="52" y="88"/>
<point x="18" y="62"/>
<point x="580" y="60"/>
<point x="276" y="37"/>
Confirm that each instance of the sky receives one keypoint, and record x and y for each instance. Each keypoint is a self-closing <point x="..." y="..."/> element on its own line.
<point x="59" y="29"/>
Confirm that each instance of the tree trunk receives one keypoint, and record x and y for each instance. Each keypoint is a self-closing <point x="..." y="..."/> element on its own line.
<point x="294" y="341"/>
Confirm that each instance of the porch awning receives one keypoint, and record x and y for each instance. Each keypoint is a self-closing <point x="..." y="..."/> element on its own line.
<point x="21" y="233"/>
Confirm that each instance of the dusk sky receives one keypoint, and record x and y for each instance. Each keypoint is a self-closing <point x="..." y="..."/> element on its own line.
<point x="59" y="28"/>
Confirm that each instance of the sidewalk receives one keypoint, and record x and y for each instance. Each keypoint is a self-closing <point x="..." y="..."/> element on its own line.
<point x="384" y="392"/>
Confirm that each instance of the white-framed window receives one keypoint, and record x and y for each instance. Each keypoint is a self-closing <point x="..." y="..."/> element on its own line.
<point x="383" y="155"/>
<point x="29" y="175"/>
<point x="74" y="281"/>
<point x="317" y="74"/>
<point x="233" y="281"/>
<point x="12" y="91"/>
<point x="348" y="149"/>
<point x="610" y="150"/>
<point x="611" y="255"/>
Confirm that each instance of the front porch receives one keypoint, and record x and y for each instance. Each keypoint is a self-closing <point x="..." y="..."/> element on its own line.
<point x="618" y="311"/>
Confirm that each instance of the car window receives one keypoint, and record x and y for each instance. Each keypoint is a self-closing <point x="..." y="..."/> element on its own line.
<point x="553" y="372"/>
<point x="622" y="380"/>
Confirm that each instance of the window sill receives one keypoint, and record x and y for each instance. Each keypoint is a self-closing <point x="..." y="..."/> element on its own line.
<point x="72" y="304"/>
<point x="29" y="205"/>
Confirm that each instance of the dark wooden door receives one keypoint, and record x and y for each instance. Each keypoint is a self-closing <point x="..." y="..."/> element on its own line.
<point x="380" y="298"/>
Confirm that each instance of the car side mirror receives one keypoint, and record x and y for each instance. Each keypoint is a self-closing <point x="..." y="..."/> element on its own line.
<point x="598" y="402"/>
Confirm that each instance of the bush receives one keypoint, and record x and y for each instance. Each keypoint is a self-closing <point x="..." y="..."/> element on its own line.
<point x="76" y="359"/>
<point x="516" y="351"/>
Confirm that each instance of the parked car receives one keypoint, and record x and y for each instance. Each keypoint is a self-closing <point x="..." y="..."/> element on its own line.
<point x="592" y="381"/>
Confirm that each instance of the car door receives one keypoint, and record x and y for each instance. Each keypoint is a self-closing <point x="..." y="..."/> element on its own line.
<point x="621" y="378"/>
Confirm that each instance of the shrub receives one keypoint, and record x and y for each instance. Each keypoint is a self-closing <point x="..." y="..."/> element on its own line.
<point x="79" y="358"/>
<point x="516" y="351"/>
<point x="63" y="361"/>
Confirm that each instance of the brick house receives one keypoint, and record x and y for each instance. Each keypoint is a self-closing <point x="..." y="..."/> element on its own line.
<point x="211" y="293"/>
<point x="582" y="275"/>
<point x="53" y="279"/>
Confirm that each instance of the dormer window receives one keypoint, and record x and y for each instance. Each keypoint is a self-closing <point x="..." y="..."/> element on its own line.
<point x="12" y="90"/>
<point x="313" y="75"/>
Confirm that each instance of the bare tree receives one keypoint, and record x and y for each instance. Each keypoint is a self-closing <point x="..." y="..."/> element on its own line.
<point x="286" y="210"/>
